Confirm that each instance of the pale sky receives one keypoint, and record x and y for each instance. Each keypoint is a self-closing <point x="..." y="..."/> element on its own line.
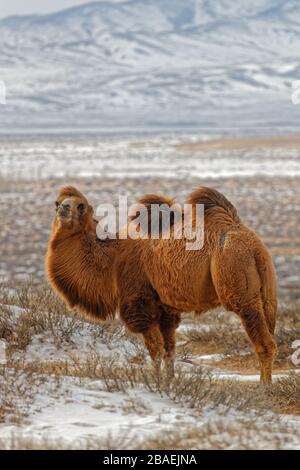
<point x="29" y="7"/>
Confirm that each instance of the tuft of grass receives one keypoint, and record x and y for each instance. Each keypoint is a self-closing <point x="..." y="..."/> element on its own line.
<point x="115" y="442"/>
<point x="218" y="339"/>
<point x="195" y="389"/>
<point x="40" y="311"/>
<point x="219" y="434"/>
<point x="224" y="334"/>
<point x="285" y="394"/>
<point x="18" y="388"/>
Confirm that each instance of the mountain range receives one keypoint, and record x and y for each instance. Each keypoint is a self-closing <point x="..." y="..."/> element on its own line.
<point x="153" y="63"/>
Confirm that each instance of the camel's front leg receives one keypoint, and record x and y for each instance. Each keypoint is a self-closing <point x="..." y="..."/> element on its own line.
<point x="155" y="344"/>
<point x="141" y="315"/>
<point x="169" y="321"/>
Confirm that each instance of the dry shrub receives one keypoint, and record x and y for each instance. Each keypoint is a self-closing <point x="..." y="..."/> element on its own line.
<point x="18" y="388"/>
<point x="136" y="406"/>
<point x="7" y="324"/>
<point x="287" y="331"/>
<point x="116" y="377"/>
<point x="120" y="441"/>
<point x="194" y="389"/>
<point x="285" y="394"/>
<point x="218" y="434"/>
<point x="5" y="292"/>
<point x="41" y="311"/>
<point x="226" y="335"/>
<point x="46" y="368"/>
<point x="227" y="340"/>
<point x="289" y="316"/>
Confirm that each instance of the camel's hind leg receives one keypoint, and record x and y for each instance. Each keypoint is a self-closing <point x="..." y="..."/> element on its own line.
<point x="168" y="323"/>
<point x="238" y="286"/>
<point x="253" y="319"/>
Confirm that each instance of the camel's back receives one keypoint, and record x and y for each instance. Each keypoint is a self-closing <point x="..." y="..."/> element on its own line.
<point x="183" y="278"/>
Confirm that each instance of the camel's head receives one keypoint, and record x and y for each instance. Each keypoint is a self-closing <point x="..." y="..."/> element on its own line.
<point x="73" y="211"/>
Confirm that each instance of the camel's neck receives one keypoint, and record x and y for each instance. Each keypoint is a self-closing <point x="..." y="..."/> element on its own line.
<point x="81" y="269"/>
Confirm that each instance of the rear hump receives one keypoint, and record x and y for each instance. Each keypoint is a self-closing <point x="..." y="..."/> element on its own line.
<point x="211" y="199"/>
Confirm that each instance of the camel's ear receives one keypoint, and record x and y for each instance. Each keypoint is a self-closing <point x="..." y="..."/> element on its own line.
<point x="90" y="210"/>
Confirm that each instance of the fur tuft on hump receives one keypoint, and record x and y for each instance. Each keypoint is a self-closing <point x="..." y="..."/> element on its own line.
<point x="166" y="205"/>
<point x="71" y="191"/>
<point x="212" y="199"/>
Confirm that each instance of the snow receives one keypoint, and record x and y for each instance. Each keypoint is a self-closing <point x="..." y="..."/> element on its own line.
<point x="78" y="412"/>
<point x="161" y="62"/>
<point x="2" y="352"/>
<point x="117" y="156"/>
<point x="84" y="410"/>
<point x="247" y="378"/>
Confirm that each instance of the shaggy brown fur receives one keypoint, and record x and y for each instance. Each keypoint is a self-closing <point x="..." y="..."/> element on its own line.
<point x="153" y="281"/>
<point x="167" y="206"/>
<point x="78" y="264"/>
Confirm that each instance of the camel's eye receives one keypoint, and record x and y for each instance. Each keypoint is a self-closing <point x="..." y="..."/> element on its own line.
<point x="81" y="208"/>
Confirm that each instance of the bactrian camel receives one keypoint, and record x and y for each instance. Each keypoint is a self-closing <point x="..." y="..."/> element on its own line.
<point x="152" y="282"/>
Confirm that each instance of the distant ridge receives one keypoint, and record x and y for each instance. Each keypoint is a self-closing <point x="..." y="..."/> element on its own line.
<point x="158" y="63"/>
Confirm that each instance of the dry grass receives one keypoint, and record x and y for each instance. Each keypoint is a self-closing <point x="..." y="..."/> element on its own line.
<point x="196" y="389"/>
<point x="218" y="339"/>
<point x="18" y="388"/>
<point x="242" y="143"/>
<point x="115" y="442"/>
<point x="226" y="335"/>
<point x="41" y="312"/>
<point x="285" y="395"/>
<point x="241" y="434"/>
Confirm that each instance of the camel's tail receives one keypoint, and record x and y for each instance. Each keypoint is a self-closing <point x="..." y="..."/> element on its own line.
<point x="158" y="209"/>
<point x="212" y="199"/>
<point x="267" y="275"/>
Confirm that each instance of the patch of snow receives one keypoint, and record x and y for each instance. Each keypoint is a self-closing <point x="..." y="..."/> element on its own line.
<point x="83" y="410"/>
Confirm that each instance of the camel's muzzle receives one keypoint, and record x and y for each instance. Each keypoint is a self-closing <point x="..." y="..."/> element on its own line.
<point x="64" y="211"/>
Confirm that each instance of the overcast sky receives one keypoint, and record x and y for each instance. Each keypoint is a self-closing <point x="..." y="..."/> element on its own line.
<point x="28" y="7"/>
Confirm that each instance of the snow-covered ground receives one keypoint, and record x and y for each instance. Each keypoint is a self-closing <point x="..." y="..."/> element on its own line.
<point x="217" y="64"/>
<point x="118" y="156"/>
<point x="74" y="384"/>
<point x="81" y="410"/>
<point x="79" y="414"/>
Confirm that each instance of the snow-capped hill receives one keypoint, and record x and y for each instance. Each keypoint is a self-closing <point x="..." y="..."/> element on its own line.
<point x="152" y="62"/>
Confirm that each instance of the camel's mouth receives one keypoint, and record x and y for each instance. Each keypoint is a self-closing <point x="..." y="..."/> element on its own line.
<point x="64" y="212"/>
